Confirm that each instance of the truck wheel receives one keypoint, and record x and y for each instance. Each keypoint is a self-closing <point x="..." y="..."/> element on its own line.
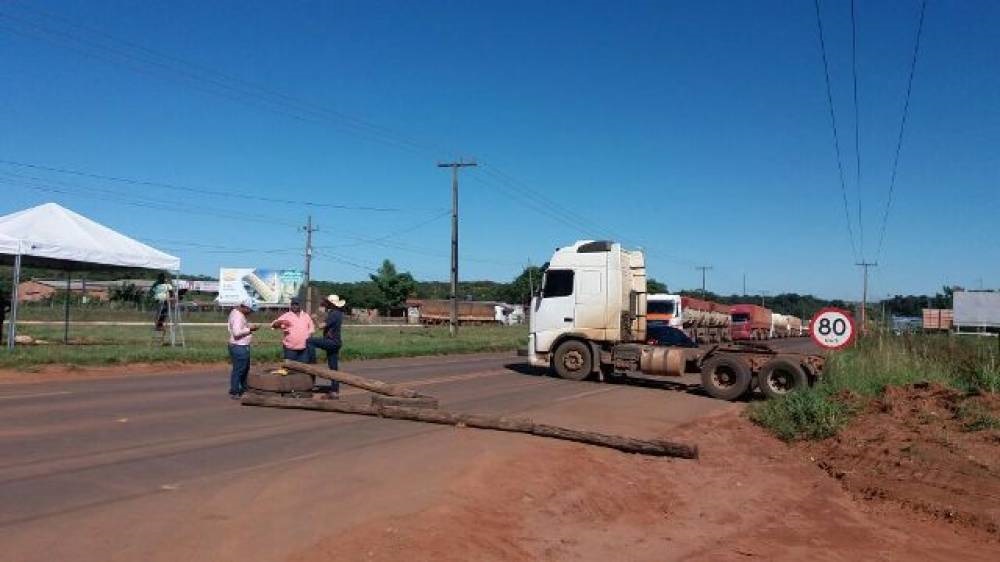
<point x="572" y="360"/>
<point x="781" y="376"/>
<point x="725" y="378"/>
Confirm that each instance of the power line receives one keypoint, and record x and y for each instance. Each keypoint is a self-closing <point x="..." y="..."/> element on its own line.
<point x="232" y="193"/>
<point x="857" y="123"/>
<point x="902" y="127"/>
<point x="833" y="125"/>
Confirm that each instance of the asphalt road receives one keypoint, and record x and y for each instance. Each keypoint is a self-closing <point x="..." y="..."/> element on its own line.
<point x="167" y="467"/>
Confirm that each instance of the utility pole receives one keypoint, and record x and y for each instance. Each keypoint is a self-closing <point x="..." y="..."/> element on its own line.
<point x="744" y="283"/>
<point x="309" y="229"/>
<point x="453" y="324"/>
<point x="864" y="294"/>
<point x="703" y="269"/>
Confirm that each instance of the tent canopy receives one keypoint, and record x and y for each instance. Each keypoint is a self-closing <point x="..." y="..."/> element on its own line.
<point x="53" y="236"/>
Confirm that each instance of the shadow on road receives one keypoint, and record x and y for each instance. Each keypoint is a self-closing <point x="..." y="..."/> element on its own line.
<point x="633" y="380"/>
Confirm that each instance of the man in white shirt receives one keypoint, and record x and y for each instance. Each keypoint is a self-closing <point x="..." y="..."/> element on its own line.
<point x="240" y="336"/>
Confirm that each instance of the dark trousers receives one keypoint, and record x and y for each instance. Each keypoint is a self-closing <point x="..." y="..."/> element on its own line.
<point x="300" y="355"/>
<point x="240" y="356"/>
<point x="332" y="349"/>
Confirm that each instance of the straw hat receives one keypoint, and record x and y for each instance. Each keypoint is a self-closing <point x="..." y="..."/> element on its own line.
<point x="336" y="301"/>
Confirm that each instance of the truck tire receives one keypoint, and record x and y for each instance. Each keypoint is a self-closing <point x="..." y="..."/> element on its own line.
<point x="572" y="360"/>
<point x="726" y="377"/>
<point x="781" y="376"/>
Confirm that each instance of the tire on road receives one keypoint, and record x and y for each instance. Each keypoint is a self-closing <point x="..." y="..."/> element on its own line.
<point x="292" y="382"/>
<point x="726" y="377"/>
<point x="573" y="360"/>
<point x="781" y="376"/>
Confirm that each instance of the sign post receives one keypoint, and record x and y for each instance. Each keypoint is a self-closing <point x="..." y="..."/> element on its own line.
<point x="833" y="328"/>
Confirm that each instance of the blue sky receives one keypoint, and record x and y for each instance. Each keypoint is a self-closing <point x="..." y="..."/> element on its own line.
<point x="697" y="130"/>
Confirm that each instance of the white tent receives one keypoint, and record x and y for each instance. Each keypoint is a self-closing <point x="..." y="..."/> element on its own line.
<point x="53" y="232"/>
<point x="52" y="236"/>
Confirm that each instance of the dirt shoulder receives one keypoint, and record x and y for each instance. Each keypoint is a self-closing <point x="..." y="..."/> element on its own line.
<point x="749" y="496"/>
<point x="923" y="447"/>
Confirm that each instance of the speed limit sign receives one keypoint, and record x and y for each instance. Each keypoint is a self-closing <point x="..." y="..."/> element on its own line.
<point x="832" y="328"/>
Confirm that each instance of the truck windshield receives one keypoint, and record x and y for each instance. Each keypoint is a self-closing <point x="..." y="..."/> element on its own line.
<point x="659" y="307"/>
<point x="741" y="317"/>
<point x="558" y="283"/>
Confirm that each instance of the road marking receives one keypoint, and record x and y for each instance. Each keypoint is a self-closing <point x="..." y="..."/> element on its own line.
<point x="582" y="394"/>
<point x="35" y="395"/>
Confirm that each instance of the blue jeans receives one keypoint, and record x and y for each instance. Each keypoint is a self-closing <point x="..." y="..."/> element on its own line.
<point x="300" y="355"/>
<point x="332" y="355"/>
<point x="240" y="356"/>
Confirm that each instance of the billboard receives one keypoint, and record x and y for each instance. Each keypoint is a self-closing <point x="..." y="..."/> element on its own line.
<point x="269" y="287"/>
<point x="977" y="309"/>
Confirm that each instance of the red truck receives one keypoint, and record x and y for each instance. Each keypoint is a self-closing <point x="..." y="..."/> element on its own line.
<point x="750" y="322"/>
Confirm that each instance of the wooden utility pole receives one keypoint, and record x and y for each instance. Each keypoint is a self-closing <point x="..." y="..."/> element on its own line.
<point x="453" y="323"/>
<point x="864" y="293"/>
<point x="703" y="269"/>
<point x="309" y="229"/>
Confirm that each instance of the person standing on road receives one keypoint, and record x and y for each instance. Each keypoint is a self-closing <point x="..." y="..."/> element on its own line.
<point x="297" y="326"/>
<point x="330" y="341"/>
<point x="240" y="335"/>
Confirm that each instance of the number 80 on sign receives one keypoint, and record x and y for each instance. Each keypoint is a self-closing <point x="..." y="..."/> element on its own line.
<point x="832" y="328"/>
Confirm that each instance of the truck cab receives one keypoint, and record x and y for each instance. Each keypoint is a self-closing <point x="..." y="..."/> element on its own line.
<point x="594" y="295"/>
<point x="664" y="309"/>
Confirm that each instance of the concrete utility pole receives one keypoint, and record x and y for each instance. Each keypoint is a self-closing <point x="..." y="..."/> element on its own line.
<point x="864" y="294"/>
<point x="453" y="324"/>
<point x="309" y="229"/>
<point x="703" y="269"/>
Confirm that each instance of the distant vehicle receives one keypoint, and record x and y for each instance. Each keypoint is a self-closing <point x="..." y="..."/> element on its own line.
<point x="658" y="333"/>
<point x="702" y="321"/>
<point x="750" y="322"/>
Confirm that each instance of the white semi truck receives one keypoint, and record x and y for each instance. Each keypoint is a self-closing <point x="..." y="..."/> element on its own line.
<point x="590" y="320"/>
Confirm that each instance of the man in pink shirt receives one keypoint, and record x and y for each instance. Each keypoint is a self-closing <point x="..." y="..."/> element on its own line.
<point x="240" y="335"/>
<point x="297" y="326"/>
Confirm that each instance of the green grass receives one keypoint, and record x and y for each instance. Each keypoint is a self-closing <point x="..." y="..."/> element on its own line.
<point x="109" y="345"/>
<point x="971" y="365"/>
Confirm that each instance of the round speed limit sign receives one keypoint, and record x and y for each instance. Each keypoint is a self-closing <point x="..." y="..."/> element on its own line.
<point x="832" y="328"/>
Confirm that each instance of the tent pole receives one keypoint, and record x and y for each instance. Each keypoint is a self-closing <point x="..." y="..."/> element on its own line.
<point x="66" y="315"/>
<point x="12" y="325"/>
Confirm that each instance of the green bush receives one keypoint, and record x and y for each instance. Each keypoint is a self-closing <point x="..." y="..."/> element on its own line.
<point x="810" y="414"/>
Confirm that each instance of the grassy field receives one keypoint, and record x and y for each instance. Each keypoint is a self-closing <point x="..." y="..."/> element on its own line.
<point x="968" y="364"/>
<point x="109" y="345"/>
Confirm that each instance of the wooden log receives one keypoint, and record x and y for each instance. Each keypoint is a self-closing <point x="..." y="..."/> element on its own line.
<point x="371" y="385"/>
<point x="658" y="448"/>
<point x="419" y="402"/>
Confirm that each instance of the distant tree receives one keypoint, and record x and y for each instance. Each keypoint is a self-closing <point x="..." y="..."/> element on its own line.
<point x="126" y="292"/>
<point x="394" y="287"/>
<point x="519" y="291"/>
<point x="654" y="286"/>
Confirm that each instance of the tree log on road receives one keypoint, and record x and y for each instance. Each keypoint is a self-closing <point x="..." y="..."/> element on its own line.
<point x="371" y="385"/>
<point x="656" y="447"/>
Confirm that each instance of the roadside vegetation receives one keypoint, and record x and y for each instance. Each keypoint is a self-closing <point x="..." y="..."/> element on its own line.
<point x="853" y="378"/>
<point x="111" y="345"/>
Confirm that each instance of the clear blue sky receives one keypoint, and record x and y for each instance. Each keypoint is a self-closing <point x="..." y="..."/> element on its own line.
<point x="698" y="130"/>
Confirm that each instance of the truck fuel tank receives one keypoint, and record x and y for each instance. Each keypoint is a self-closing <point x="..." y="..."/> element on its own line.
<point x="659" y="360"/>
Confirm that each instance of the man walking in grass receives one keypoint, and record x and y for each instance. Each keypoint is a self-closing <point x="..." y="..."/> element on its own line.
<point x="330" y="341"/>
<point x="240" y="336"/>
<point x="297" y="327"/>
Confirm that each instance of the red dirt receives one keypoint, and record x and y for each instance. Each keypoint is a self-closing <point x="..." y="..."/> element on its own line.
<point x="749" y="496"/>
<point x="62" y="373"/>
<point x="914" y="448"/>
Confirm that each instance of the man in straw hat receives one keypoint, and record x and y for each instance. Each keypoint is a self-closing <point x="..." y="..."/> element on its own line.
<point x="330" y="341"/>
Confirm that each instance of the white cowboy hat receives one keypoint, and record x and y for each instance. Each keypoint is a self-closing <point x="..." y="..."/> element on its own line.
<point x="336" y="301"/>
